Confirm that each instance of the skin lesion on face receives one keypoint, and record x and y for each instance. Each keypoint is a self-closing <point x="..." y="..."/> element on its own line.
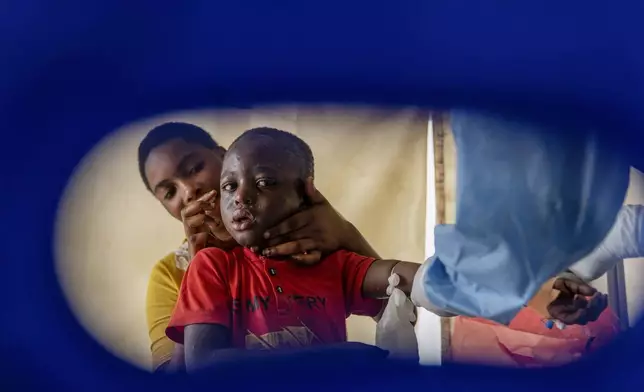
<point x="258" y="190"/>
<point x="179" y="172"/>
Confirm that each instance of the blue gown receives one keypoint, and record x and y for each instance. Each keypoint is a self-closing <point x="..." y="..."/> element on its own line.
<point x="531" y="202"/>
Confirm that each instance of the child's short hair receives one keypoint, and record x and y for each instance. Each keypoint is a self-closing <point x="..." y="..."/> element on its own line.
<point x="287" y="142"/>
<point x="158" y="135"/>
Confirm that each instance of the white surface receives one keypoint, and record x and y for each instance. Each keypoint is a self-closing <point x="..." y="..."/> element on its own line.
<point x="634" y="268"/>
<point x="428" y="329"/>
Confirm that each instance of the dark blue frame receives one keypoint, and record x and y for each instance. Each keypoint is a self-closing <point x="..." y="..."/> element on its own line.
<point x="75" y="70"/>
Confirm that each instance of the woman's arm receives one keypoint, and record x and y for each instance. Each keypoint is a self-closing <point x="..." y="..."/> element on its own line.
<point x="160" y="300"/>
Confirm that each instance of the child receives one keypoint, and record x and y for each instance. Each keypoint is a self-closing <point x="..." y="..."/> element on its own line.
<point x="238" y="299"/>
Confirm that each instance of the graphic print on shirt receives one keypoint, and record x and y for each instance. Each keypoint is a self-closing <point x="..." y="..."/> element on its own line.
<point x="293" y="302"/>
<point x="295" y="333"/>
<point x="288" y="337"/>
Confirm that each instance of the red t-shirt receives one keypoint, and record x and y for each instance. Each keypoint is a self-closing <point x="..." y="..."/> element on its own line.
<point x="270" y="303"/>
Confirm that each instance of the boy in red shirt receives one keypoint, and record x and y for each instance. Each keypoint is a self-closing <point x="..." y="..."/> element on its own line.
<point x="240" y="300"/>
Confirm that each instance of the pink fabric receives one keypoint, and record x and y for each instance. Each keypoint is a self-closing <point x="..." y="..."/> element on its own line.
<point x="526" y="342"/>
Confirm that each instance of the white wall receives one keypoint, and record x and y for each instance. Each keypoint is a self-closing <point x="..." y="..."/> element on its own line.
<point x="634" y="268"/>
<point x="428" y="328"/>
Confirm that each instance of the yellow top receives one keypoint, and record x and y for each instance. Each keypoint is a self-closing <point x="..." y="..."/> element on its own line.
<point x="163" y="291"/>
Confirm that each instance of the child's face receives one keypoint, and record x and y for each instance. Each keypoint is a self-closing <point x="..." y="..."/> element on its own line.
<point x="260" y="186"/>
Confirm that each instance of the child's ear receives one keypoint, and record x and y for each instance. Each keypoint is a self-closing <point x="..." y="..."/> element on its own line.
<point x="309" y="187"/>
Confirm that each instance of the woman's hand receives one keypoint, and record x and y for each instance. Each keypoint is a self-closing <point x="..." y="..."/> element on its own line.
<point x="310" y="233"/>
<point x="202" y="224"/>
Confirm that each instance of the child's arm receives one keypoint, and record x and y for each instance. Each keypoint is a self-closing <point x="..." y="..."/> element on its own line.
<point x="208" y="347"/>
<point x="204" y="344"/>
<point x="567" y="304"/>
<point x="202" y="315"/>
<point x="560" y="298"/>
<point x="376" y="280"/>
<point x="366" y="280"/>
<point x="176" y="364"/>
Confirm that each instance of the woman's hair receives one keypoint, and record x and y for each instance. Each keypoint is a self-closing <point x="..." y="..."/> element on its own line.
<point x="159" y="135"/>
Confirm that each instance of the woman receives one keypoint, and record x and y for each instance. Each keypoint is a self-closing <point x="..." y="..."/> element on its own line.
<point x="180" y="164"/>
